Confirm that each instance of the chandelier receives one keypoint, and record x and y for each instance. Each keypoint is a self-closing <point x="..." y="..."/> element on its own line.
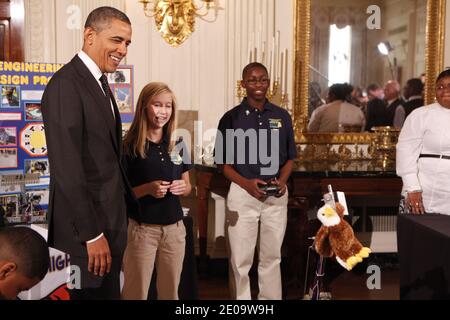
<point x="175" y="19"/>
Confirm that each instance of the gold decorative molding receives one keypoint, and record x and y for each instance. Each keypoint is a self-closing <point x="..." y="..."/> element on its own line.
<point x="335" y="138"/>
<point x="302" y="33"/>
<point x="434" y="58"/>
<point x="435" y="37"/>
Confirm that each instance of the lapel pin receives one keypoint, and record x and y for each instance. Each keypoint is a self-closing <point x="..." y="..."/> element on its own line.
<point x="247" y="112"/>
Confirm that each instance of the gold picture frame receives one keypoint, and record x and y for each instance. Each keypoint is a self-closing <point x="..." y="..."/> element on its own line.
<point x="434" y="60"/>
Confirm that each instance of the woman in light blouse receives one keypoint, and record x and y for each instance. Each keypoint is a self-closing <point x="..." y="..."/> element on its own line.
<point x="423" y="154"/>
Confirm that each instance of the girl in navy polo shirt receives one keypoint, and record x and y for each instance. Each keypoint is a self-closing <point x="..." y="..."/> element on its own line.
<point x="157" y="169"/>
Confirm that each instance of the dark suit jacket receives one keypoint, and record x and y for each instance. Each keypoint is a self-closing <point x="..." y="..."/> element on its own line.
<point x="87" y="182"/>
<point x="412" y="105"/>
<point x="390" y="111"/>
<point x="376" y="114"/>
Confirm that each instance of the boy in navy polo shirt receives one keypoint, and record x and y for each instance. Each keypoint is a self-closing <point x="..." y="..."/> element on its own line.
<point x="255" y="148"/>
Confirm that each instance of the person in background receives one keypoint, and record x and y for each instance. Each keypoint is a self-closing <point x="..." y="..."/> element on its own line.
<point x="423" y="78"/>
<point x="315" y="99"/>
<point x="423" y="154"/>
<point x="359" y="99"/>
<point x="376" y="107"/>
<point x="24" y="260"/>
<point x="255" y="214"/>
<point x="158" y="170"/>
<point x="393" y="102"/>
<point x="413" y="95"/>
<point x="374" y="91"/>
<point x="338" y="115"/>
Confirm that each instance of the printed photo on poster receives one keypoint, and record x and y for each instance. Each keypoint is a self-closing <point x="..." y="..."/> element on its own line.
<point x="123" y="99"/>
<point x="33" y="111"/>
<point x="8" y="158"/>
<point x="10" y="96"/>
<point x="8" y="188"/>
<point x="8" y="136"/>
<point x="120" y="76"/>
<point x="34" y="205"/>
<point x="11" y="205"/>
<point x="40" y="166"/>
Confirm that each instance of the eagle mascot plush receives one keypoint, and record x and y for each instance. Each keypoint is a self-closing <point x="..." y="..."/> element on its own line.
<point x="336" y="238"/>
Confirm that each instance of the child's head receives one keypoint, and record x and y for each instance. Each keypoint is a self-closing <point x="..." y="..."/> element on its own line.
<point x="255" y="79"/>
<point x="24" y="260"/>
<point x="154" y="96"/>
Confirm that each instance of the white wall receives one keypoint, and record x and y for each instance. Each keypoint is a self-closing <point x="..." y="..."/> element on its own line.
<point x="202" y="72"/>
<point x="54" y="28"/>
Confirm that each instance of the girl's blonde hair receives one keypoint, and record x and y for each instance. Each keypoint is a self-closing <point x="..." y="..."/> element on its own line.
<point x="135" y="139"/>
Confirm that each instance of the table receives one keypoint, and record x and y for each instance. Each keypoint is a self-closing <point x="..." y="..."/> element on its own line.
<point x="424" y="256"/>
<point x="364" y="185"/>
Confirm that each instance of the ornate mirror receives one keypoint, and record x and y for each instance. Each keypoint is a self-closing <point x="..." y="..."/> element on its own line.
<point x="417" y="38"/>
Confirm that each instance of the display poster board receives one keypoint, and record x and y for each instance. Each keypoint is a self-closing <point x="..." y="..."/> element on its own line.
<point x="24" y="167"/>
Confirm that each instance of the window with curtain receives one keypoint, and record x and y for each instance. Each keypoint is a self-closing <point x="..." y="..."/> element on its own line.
<point x="339" y="59"/>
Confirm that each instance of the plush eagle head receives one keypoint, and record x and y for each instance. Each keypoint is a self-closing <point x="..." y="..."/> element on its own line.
<point x="328" y="216"/>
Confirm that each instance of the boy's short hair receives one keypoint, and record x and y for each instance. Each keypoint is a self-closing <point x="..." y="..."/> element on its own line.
<point x="251" y="66"/>
<point x="27" y="248"/>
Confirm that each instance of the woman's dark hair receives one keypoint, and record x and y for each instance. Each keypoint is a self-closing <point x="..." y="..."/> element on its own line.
<point x="444" y="74"/>
<point x="340" y="91"/>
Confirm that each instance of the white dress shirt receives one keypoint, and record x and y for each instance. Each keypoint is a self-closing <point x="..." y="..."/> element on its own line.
<point x="96" y="72"/>
<point x="426" y="131"/>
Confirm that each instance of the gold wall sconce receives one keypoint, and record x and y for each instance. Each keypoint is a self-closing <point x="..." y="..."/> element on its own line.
<point x="175" y="19"/>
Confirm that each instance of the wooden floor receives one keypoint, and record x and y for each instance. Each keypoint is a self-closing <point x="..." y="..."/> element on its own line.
<point x="343" y="285"/>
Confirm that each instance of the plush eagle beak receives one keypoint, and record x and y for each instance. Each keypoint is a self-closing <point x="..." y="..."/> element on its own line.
<point x="329" y="212"/>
